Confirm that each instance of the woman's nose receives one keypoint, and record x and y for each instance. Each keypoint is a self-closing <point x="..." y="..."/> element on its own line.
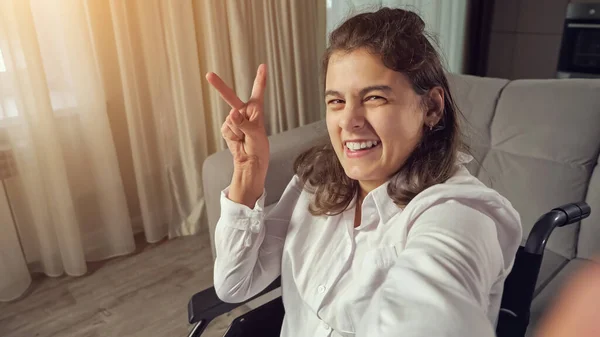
<point x="352" y="118"/>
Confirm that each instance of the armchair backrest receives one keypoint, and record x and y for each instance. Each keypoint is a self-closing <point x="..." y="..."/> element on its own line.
<point x="537" y="143"/>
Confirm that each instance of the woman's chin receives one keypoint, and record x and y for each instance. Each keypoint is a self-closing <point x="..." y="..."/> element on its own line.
<point x="359" y="174"/>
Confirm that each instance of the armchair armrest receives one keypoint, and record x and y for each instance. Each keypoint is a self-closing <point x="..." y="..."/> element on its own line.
<point x="205" y="306"/>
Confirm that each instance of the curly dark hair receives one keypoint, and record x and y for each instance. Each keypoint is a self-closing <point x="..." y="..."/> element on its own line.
<point x="398" y="36"/>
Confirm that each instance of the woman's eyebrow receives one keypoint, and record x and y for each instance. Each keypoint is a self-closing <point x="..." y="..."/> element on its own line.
<point x="384" y="88"/>
<point x="363" y="91"/>
<point x="332" y="93"/>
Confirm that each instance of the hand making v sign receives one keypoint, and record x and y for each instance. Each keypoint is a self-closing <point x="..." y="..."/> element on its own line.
<point x="246" y="137"/>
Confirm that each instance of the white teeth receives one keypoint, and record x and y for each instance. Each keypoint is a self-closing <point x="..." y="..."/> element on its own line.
<point x="361" y="145"/>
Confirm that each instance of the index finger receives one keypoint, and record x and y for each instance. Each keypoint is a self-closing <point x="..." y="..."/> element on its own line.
<point x="226" y="92"/>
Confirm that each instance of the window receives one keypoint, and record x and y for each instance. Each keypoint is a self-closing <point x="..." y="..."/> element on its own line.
<point x="8" y="106"/>
<point x="2" y="65"/>
<point x="62" y="100"/>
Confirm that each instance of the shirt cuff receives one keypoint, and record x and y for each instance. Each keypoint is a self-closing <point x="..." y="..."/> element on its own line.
<point x="241" y="216"/>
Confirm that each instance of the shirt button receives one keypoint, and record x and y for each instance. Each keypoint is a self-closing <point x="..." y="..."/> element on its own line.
<point x="326" y="327"/>
<point x="321" y="289"/>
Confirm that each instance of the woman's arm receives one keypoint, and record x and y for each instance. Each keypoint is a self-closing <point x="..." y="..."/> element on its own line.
<point x="441" y="282"/>
<point x="249" y="245"/>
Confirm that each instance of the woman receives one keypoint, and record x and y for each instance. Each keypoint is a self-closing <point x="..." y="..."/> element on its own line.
<point x="382" y="231"/>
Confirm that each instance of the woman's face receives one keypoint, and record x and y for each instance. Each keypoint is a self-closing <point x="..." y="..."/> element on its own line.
<point x="374" y="117"/>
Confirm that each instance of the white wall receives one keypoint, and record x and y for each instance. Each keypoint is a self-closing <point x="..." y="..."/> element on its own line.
<point x="445" y="19"/>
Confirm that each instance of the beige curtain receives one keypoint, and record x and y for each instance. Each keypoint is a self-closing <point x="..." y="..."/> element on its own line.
<point x="105" y="117"/>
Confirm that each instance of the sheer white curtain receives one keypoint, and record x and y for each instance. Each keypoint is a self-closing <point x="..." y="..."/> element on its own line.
<point x="446" y="20"/>
<point x="105" y="117"/>
<point x="66" y="195"/>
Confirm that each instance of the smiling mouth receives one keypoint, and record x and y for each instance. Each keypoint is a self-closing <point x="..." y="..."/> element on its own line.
<point x="361" y="146"/>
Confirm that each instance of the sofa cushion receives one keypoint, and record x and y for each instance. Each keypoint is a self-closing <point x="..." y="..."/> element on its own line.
<point x="545" y="299"/>
<point x="535" y="186"/>
<point x="544" y="145"/>
<point x="589" y="236"/>
<point x="285" y="147"/>
<point x="476" y="99"/>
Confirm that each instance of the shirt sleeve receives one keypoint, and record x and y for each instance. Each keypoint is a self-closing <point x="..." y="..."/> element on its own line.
<point x="441" y="282"/>
<point x="249" y="244"/>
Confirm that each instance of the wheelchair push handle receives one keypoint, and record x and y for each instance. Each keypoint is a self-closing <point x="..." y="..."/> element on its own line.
<point x="558" y="217"/>
<point x="575" y="212"/>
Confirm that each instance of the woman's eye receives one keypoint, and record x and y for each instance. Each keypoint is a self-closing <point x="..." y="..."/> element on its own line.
<point x="374" y="98"/>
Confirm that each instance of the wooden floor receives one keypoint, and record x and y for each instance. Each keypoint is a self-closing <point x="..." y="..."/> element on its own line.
<point x="144" y="294"/>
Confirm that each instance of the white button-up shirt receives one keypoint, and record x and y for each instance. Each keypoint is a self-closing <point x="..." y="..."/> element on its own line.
<point x="435" y="268"/>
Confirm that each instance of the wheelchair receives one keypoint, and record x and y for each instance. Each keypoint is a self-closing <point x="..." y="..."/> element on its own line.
<point x="514" y="315"/>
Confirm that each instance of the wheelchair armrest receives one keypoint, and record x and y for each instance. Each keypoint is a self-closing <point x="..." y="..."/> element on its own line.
<point x="558" y="217"/>
<point x="206" y="305"/>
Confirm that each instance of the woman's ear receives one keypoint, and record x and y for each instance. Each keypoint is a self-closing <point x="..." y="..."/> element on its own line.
<point x="435" y="107"/>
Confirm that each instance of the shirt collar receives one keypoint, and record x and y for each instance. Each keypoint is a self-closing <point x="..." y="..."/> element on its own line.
<point x="378" y="200"/>
<point x="463" y="158"/>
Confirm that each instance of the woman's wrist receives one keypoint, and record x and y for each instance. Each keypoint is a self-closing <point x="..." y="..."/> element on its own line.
<point x="247" y="185"/>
